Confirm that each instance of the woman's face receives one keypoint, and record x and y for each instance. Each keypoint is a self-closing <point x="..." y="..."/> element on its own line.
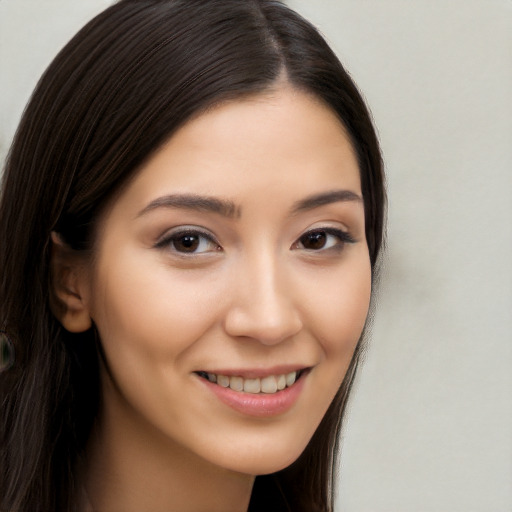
<point x="236" y="255"/>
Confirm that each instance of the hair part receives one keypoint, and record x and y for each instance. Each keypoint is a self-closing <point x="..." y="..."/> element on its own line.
<point x="116" y="92"/>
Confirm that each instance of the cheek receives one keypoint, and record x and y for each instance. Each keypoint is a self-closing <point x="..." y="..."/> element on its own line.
<point x="342" y="306"/>
<point x="151" y="315"/>
<point x="149" y="322"/>
<point x="338" y="314"/>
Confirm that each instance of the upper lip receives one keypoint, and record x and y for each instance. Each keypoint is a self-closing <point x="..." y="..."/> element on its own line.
<point x="253" y="373"/>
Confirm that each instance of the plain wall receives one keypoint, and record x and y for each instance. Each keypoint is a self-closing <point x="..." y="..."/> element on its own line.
<point x="429" y="427"/>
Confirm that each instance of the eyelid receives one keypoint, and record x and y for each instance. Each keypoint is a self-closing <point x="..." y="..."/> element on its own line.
<point x="174" y="233"/>
<point x="343" y="235"/>
<point x="331" y="230"/>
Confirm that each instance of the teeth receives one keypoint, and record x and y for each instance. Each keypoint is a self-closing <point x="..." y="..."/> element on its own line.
<point x="290" y="378"/>
<point x="223" y="381"/>
<point x="269" y="385"/>
<point x="252" y="385"/>
<point x="236" y="383"/>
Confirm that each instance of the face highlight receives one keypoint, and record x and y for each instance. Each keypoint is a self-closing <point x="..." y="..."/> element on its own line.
<point x="232" y="282"/>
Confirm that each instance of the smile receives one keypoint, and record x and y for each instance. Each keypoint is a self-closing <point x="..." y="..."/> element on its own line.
<point x="250" y="395"/>
<point x="266" y="385"/>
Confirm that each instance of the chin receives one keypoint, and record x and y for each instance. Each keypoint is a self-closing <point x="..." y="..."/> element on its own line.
<point x="260" y="460"/>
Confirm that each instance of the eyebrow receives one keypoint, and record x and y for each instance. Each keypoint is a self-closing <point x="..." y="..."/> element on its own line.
<point x="332" y="196"/>
<point x="223" y="207"/>
<point x="229" y="209"/>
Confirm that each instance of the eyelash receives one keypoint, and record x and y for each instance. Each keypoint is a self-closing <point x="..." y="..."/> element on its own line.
<point x="200" y="237"/>
<point x="343" y="238"/>
<point x="172" y="238"/>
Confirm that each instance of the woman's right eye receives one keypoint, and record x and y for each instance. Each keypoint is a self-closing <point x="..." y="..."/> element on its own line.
<point x="189" y="242"/>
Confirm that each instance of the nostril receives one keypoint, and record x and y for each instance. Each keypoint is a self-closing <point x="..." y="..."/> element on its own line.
<point x="258" y="322"/>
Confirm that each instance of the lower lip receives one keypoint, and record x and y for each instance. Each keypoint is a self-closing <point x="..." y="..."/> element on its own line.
<point x="261" y="404"/>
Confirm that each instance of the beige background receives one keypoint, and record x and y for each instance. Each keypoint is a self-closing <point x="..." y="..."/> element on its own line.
<point x="430" y="424"/>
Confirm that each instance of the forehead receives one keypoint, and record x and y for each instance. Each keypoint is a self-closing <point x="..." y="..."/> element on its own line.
<point x="282" y="144"/>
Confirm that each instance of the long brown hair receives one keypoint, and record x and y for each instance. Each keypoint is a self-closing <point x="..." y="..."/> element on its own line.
<point x="112" y="96"/>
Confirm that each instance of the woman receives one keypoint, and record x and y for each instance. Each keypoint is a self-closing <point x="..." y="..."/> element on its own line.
<point x="194" y="208"/>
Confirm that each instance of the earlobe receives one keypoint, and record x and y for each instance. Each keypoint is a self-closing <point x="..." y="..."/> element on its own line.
<point x="67" y="298"/>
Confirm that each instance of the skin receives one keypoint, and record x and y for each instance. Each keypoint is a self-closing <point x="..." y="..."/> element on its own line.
<point x="256" y="297"/>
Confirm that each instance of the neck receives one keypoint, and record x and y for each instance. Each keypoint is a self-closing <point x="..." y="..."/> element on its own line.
<point x="133" y="467"/>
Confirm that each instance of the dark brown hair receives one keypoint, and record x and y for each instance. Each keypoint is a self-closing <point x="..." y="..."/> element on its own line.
<point x="112" y="96"/>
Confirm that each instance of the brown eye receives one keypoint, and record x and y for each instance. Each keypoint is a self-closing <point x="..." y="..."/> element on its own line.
<point x="186" y="243"/>
<point x="314" y="240"/>
<point x="323" y="239"/>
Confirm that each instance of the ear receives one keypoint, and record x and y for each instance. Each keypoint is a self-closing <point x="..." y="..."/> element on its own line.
<point x="68" y="287"/>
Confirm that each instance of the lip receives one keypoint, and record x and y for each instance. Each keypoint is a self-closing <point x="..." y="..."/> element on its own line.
<point x="258" y="405"/>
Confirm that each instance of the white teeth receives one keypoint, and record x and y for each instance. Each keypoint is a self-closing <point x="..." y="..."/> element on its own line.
<point x="223" y="381"/>
<point x="269" y="384"/>
<point x="252" y="385"/>
<point x="290" y="378"/>
<point x="236" y="383"/>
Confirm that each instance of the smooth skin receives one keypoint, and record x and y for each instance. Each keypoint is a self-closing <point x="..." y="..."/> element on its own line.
<point x="239" y="245"/>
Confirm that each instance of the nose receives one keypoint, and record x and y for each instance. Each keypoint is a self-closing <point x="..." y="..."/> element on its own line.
<point x="263" y="306"/>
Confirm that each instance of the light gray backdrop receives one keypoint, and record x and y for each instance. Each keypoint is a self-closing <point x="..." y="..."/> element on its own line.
<point x="430" y="424"/>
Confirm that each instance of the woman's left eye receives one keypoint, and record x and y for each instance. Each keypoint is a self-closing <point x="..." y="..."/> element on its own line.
<point x="189" y="242"/>
<point x="323" y="239"/>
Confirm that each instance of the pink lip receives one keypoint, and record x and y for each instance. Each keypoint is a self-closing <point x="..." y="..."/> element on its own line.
<point x="259" y="405"/>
